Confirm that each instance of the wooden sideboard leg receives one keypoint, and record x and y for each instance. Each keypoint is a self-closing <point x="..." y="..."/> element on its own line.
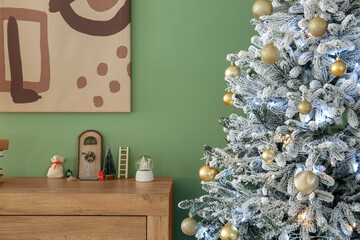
<point x="158" y="228"/>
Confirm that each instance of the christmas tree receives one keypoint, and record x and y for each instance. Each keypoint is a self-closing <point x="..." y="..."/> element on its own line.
<point x="290" y="168"/>
<point x="109" y="166"/>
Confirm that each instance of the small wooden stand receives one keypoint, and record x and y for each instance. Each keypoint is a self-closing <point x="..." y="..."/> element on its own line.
<point x="109" y="177"/>
<point x="123" y="162"/>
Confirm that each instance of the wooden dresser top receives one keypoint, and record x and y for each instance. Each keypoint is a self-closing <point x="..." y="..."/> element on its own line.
<point x="43" y="196"/>
<point x="42" y="185"/>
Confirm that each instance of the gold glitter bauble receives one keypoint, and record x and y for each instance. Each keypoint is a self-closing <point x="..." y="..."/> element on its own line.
<point x="268" y="155"/>
<point x="270" y="54"/>
<point x="338" y="68"/>
<point x="261" y="8"/>
<point x="228" y="100"/>
<point x="232" y="71"/>
<point x="189" y="226"/>
<point x="229" y="232"/>
<point x="306" y="182"/>
<point x="207" y="173"/>
<point x="317" y="26"/>
<point x="304" y="107"/>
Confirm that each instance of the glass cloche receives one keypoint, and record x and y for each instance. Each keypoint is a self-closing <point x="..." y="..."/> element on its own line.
<point x="144" y="163"/>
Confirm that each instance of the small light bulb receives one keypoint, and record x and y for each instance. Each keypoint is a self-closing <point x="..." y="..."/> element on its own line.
<point x="302" y="216"/>
<point x="354" y="225"/>
<point x="332" y="162"/>
<point x="281" y="137"/>
<point x="349" y="228"/>
<point x="355" y="166"/>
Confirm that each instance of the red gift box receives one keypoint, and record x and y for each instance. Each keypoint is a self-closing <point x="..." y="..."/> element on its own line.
<point x="101" y="175"/>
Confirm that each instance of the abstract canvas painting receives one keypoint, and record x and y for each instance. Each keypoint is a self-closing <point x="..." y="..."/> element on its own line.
<point x="65" y="56"/>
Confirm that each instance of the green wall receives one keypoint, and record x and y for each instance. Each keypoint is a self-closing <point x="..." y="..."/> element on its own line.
<point x="178" y="60"/>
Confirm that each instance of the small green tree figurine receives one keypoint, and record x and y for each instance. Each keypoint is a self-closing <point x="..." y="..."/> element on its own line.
<point x="109" y="166"/>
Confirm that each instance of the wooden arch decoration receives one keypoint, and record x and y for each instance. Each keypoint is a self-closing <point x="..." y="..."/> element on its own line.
<point x="89" y="155"/>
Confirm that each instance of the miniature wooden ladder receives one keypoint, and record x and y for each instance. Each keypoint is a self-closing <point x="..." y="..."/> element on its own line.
<point x="123" y="162"/>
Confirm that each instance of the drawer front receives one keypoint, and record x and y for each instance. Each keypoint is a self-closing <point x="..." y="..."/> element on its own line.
<point x="72" y="227"/>
<point x="83" y="204"/>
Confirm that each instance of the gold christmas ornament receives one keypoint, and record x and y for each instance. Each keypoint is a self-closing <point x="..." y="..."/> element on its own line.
<point x="228" y="100"/>
<point x="229" y="232"/>
<point x="207" y="173"/>
<point x="189" y="226"/>
<point x="232" y="71"/>
<point x="338" y="68"/>
<point x="306" y="182"/>
<point x="261" y="8"/>
<point x="216" y="173"/>
<point x="268" y="155"/>
<point x="317" y="26"/>
<point x="270" y="54"/>
<point x="304" y="107"/>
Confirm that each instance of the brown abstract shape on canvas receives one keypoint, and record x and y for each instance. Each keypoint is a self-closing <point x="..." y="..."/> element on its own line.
<point x="102" y="69"/>
<point x="98" y="101"/>
<point x="114" y="86"/>
<point x="81" y="82"/>
<point x="28" y="15"/>
<point x="88" y="26"/>
<point x="102" y="5"/>
<point x="18" y="93"/>
<point x="128" y="69"/>
<point x="122" y="52"/>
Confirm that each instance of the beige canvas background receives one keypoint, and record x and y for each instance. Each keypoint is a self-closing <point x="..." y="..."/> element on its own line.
<point x="72" y="55"/>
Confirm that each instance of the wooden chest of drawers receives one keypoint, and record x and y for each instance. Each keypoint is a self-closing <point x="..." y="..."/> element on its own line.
<point x="41" y="208"/>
